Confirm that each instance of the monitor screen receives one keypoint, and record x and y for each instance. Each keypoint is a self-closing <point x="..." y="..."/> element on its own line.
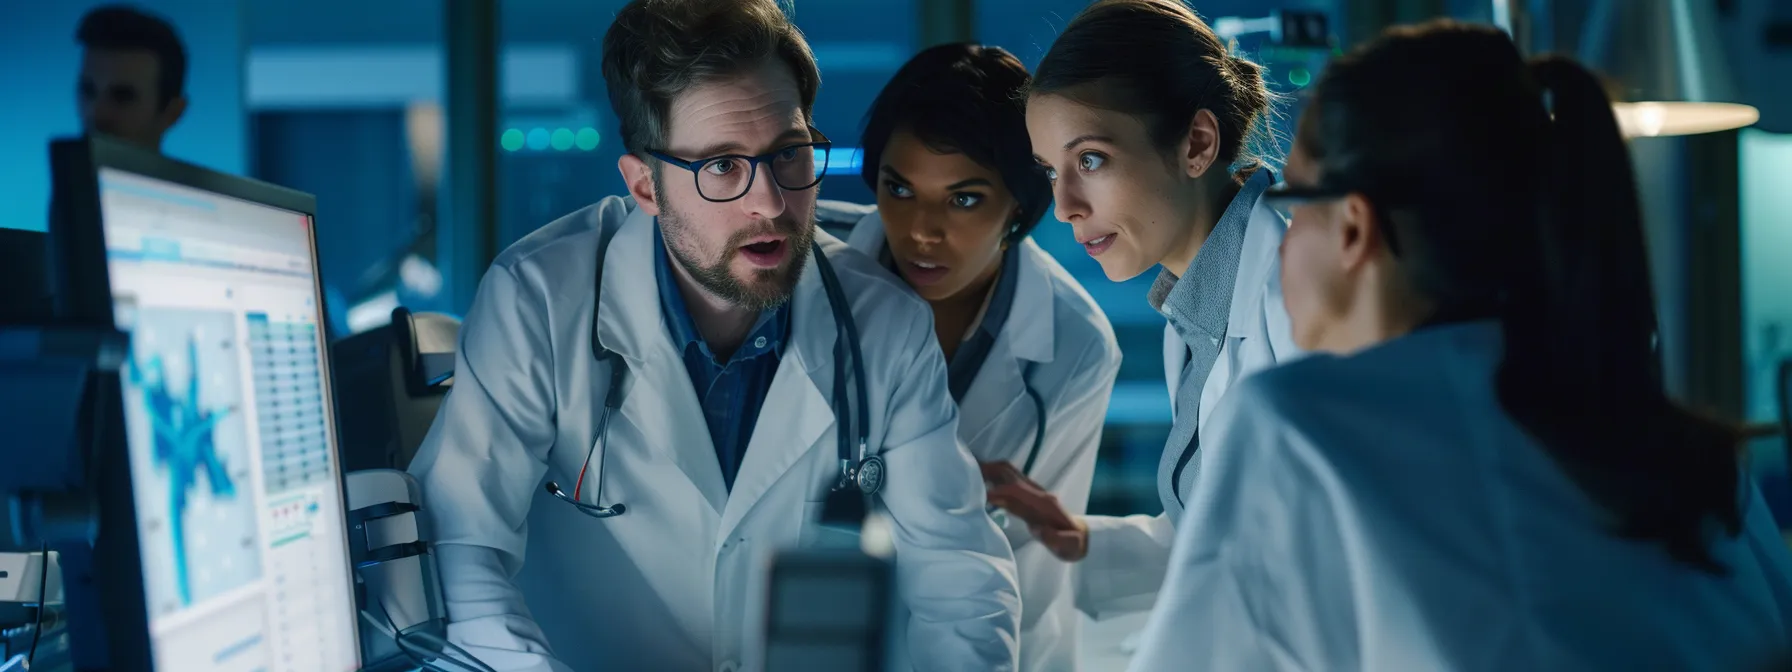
<point x="232" y="449"/>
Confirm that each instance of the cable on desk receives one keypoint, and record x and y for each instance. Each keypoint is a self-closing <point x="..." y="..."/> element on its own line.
<point x="409" y="649"/>
<point x="43" y="584"/>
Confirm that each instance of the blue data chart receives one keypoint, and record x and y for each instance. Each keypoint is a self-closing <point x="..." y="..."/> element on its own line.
<point x="189" y="455"/>
<point x="295" y="451"/>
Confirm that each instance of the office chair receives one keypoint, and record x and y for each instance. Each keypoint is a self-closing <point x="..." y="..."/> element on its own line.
<point x="389" y="383"/>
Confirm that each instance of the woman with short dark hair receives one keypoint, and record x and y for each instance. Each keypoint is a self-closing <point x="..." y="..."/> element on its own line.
<point x="1031" y="358"/>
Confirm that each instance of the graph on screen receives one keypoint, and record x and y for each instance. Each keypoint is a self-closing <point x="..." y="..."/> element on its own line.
<point x="194" y="497"/>
<point x="294" y="444"/>
<point x="238" y="497"/>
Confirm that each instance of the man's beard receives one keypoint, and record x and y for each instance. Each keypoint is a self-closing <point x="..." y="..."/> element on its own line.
<point x="769" y="288"/>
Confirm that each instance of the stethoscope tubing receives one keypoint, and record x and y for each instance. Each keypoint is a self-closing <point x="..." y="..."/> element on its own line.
<point x="852" y="472"/>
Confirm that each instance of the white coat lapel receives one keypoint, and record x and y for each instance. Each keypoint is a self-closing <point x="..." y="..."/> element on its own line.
<point x="1175" y="356"/>
<point x="797" y="412"/>
<point x="868" y="235"/>
<point x="1246" y="325"/>
<point x="660" y="403"/>
<point x="998" y="397"/>
<point x="1256" y="259"/>
<point x="991" y="403"/>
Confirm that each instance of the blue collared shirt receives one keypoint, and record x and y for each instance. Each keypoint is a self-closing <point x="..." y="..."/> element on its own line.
<point x="731" y="393"/>
<point x="973" y="351"/>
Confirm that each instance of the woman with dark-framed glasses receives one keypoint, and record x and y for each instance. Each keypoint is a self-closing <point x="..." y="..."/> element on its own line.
<point x="1479" y="469"/>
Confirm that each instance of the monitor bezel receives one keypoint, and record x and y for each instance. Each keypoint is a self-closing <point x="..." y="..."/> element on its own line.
<point x="82" y="285"/>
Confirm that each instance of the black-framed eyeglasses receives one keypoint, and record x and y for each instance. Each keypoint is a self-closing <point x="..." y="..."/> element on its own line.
<point x="725" y="178"/>
<point x="1284" y="197"/>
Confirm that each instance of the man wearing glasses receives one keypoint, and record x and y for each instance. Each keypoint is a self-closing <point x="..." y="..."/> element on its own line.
<point x="666" y="365"/>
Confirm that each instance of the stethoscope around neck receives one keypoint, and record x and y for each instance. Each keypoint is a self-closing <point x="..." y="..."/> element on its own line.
<point x="1026" y="467"/>
<point x="858" y="469"/>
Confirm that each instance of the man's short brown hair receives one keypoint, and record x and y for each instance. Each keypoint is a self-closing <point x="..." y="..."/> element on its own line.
<point x="126" y="28"/>
<point x="657" y="49"/>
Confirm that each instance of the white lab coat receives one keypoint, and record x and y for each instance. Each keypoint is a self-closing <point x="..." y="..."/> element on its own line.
<point x="1128" y="555"/>
<point x="1383" y="512"/>
<point x="1057" y="329"/>
<point x="533" y="584"/>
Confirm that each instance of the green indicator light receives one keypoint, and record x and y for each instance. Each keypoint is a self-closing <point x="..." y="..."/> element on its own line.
<point x="1300" y="77"/>
<point x="562" y="139"/>
<point x="587" y="138"/>
<point x="512" y="140"/>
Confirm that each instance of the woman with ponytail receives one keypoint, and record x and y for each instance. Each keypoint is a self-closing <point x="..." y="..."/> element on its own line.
<point x="1480" y="470"/>
<point x="1146" y="126"/>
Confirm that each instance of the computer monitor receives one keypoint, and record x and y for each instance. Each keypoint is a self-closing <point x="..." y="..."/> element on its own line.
<point x="233" y="464"/>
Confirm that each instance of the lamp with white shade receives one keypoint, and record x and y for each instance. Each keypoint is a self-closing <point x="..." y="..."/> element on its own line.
<point x="1663" y="59"/>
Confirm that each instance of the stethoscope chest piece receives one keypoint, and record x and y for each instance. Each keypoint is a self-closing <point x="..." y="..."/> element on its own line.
<point x="870" y="475"/>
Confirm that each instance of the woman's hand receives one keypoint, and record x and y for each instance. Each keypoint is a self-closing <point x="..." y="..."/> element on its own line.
<point x="1064" y="534"/>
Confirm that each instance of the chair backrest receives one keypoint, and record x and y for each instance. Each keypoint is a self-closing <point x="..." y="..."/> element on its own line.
<point x="390" y="382"/>
<point x="424" y="343"/>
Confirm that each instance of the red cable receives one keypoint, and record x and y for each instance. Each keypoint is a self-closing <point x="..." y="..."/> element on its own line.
<point x="581" y="482"/>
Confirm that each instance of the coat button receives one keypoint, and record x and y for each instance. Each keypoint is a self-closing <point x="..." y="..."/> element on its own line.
<point x="759" y="342"/>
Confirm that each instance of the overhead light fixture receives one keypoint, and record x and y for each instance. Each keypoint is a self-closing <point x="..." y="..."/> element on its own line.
<point x="1665" y="62"/>
<point x="1649" y="120"/>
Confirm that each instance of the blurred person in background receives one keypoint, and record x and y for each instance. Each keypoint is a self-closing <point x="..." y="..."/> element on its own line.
<point x="133" y="75"/>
